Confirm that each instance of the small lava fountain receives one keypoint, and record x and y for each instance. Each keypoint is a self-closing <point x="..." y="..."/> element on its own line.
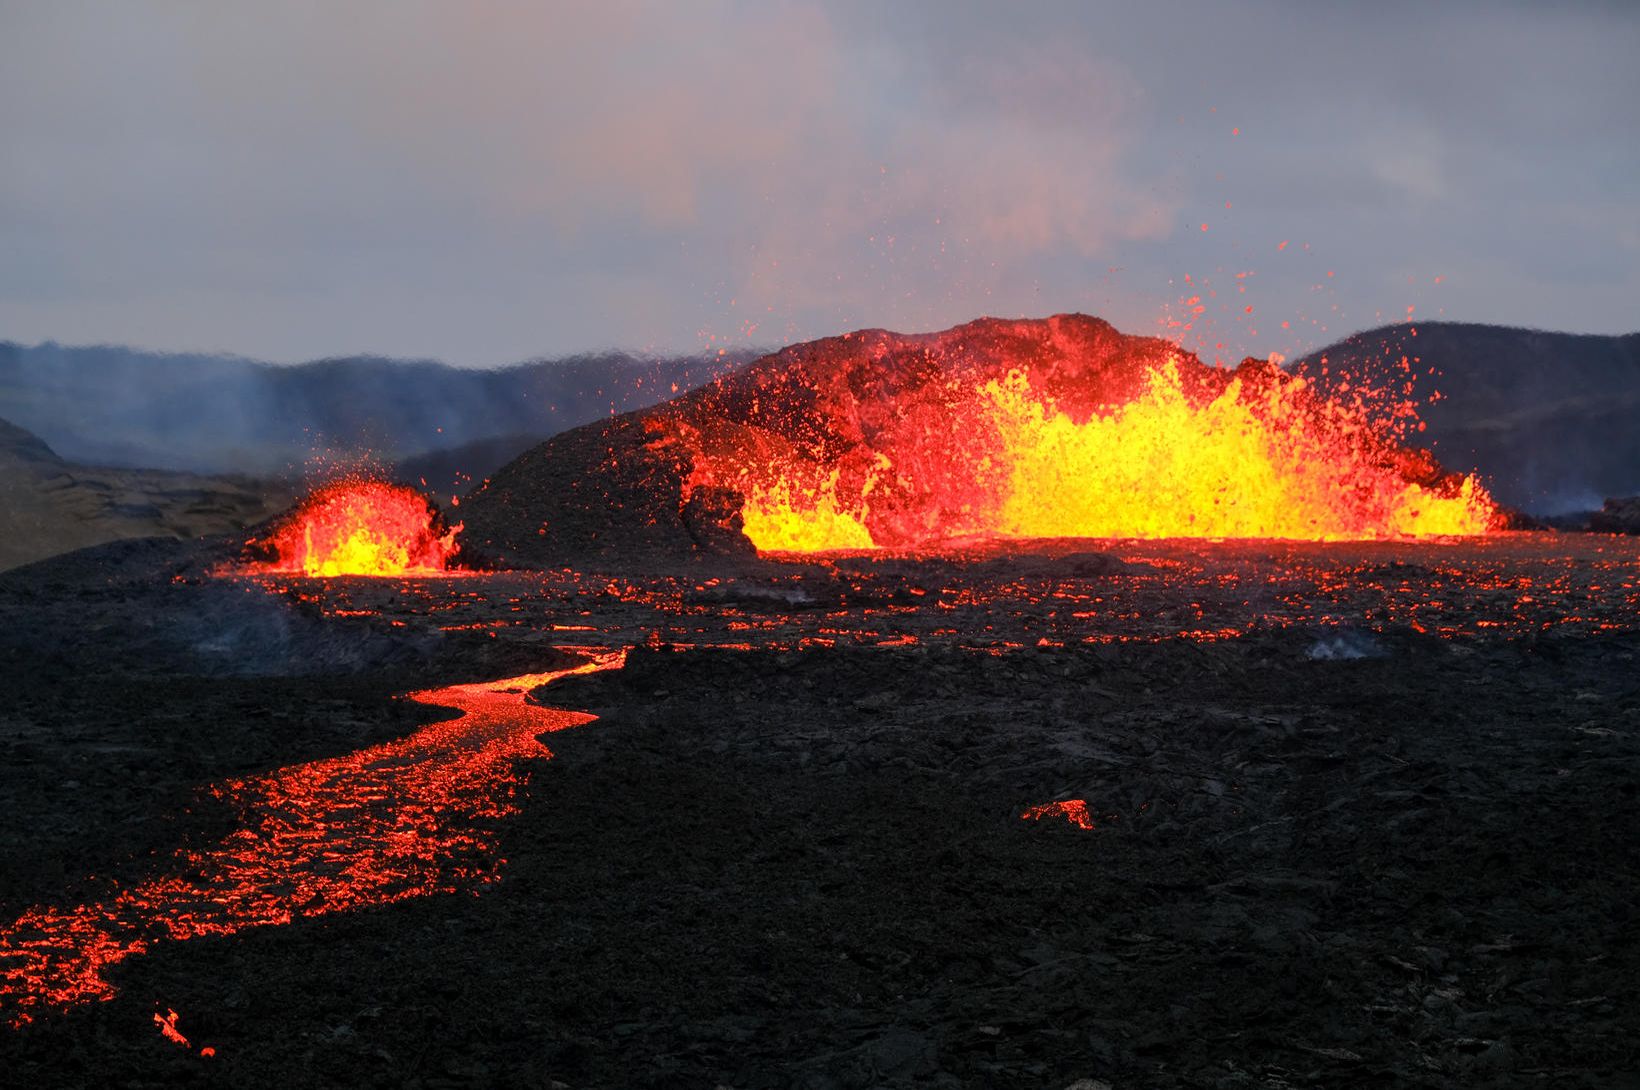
<point x="359" y="528"/>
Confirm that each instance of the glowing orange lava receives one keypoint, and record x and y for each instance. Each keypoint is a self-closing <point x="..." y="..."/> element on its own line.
<point x="360" y="528"/>
<point x="1074" y="811"/>
<point x="404" y="819"/>
<point x="1261" y="456"/>
<point x="167" y="1024"/>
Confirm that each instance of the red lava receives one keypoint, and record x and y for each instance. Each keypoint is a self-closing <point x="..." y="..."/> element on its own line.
<point x="167" y="1024"/>
<point x="361" y="527"/>
<point x="1074" y="811"/>
<point x="404" y="819"/>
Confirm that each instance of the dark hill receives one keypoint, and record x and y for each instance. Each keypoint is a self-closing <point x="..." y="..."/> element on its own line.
<point x="50" y="506"/>
<point x="209" y="413"/>
<point x="19" y="447"/>
<point x="448" y="471"/>
<point x="1549" y="419"/>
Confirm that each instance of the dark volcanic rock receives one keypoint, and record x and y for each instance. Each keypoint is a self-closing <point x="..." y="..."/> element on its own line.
<point x="712" y="517"/>
<point x="597" y="490"/>
<point x="1617" y="516"/>
<point x="1415" y="863"/>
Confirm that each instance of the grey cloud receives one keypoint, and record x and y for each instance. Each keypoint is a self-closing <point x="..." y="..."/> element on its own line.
<point x="485" y="182"/>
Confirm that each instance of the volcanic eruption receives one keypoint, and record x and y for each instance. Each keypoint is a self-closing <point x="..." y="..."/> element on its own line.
<point x="1060" y="427"/>
<point x="358" y="527"/>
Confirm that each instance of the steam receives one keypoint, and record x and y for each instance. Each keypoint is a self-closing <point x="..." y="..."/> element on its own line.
<point x="1345" y="645"/>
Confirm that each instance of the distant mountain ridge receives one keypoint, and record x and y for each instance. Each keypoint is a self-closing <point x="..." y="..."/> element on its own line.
<point x="213" y="413"/>
<point x="1551" y="420"/>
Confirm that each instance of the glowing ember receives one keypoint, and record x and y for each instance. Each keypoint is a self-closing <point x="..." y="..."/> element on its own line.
<point x="167" y="1024"/>
<point x="1058" y="428"/>
<point x="404" y="819"/>
<point x="1074" y="811"/>
<point x="360" y="528"/>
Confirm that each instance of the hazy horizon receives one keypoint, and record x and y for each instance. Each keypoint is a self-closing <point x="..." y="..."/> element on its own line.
<point x="743" y="352"/>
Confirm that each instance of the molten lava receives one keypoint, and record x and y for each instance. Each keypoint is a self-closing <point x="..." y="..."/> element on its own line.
<point x="1263" y="457"/>
<point x="1074" y="811"/>
<point x="405" y="819"/>
<point x="1058" y="428"/>
<point x="360" y="528"/>
<point x="167" y="1024"/>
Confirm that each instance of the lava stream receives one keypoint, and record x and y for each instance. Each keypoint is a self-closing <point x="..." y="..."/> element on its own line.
<point x="404" y="819"/>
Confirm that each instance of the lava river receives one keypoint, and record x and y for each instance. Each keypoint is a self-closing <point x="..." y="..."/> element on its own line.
<point x="404" y="819"/>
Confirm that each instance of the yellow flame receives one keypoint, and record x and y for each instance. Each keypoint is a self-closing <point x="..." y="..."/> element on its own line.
<point x="1271" y="463"/>
<point x="784" y="517"/>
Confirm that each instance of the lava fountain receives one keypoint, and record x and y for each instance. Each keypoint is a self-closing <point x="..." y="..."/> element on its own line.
<point x="1065" y="429"/>
<point x="996" y="430"/>
<point x="359" y="528"/>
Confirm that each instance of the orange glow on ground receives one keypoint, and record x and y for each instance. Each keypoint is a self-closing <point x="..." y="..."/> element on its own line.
<point x="1258" y="455"/>
<point x="167" y="1024"/>
<point x="360" y="528"/>
<point x="1074" y="811"/>
<point x="405" y="819"/>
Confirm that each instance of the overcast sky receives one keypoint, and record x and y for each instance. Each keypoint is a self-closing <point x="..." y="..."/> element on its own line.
<point x="484" y="183"/>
